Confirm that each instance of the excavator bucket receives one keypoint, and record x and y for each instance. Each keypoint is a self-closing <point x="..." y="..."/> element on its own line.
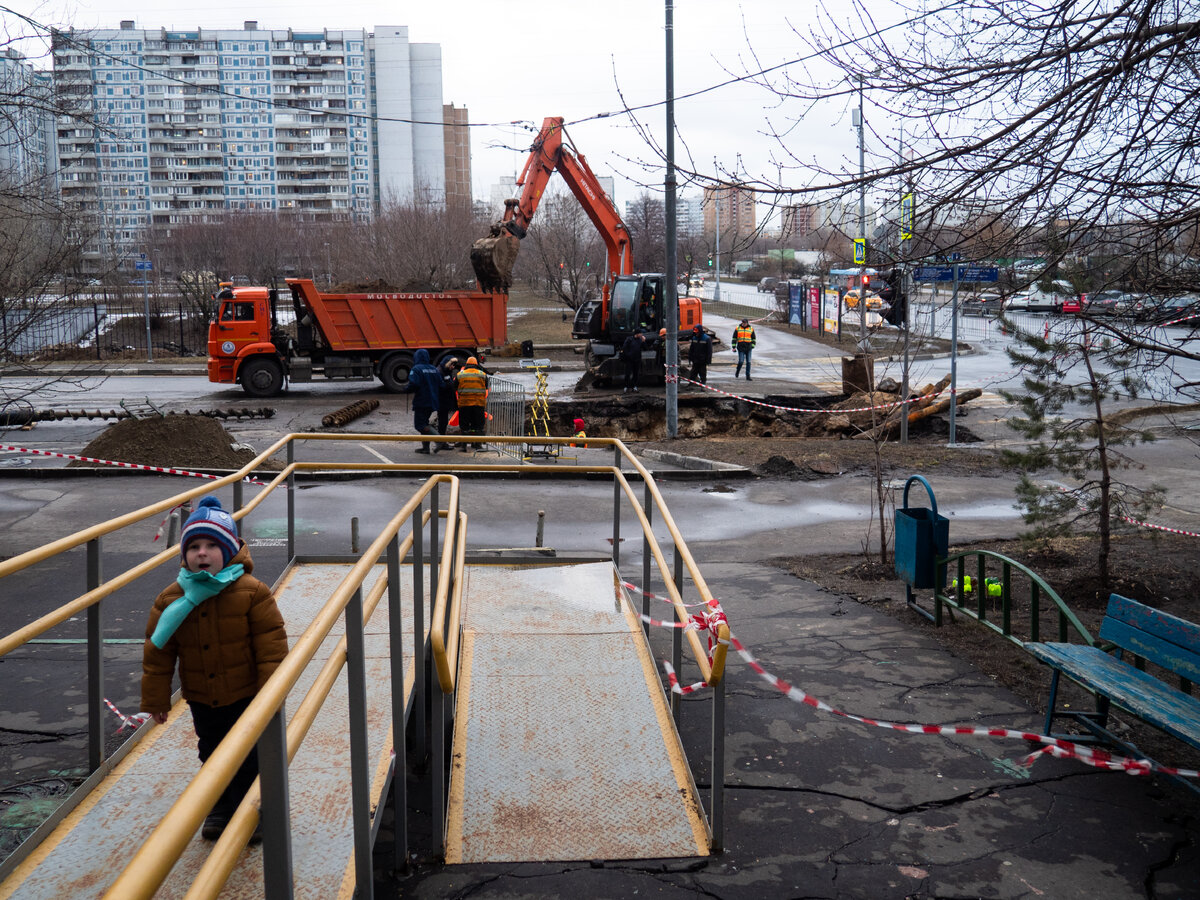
<point x="493" y="257"/>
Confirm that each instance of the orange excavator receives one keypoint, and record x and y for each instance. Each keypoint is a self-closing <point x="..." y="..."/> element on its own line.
<point x="628" y="302"/>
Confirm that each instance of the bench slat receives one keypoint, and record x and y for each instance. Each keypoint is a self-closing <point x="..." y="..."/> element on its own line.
<point x="1159" y="637"/>
<point x="1143" y="695"/>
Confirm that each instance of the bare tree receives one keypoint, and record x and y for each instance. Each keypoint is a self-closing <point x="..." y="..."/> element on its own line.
<point x="646" y="220"/>
<point x="566" y="251"/>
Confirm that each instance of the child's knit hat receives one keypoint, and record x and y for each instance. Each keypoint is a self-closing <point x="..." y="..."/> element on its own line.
<point x="211" y="521"/>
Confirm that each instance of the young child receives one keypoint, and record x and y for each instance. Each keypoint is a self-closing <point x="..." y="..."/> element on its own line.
<point x="222" y="626"/>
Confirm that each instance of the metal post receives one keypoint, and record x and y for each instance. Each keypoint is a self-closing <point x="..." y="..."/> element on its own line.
<point x="671" y="289"/>
<point x="238" y="502"/>
<point x="95" y="660"/>
<point x="146" y="301"/>
<point x="354" y="535"/>
<point x="291" y="502"/>
<point x="276" y="809"/>
<point x="677" y="640"/>
<point x="435" y="520"/>
<point x="360" y="768"/>
<point x="649" y="508"/>
<point x="419" y="637"/>
<point x="954" y="354"/>
<point x="616" y="534"/>
<point x="439" y="770"/>
<point x="717" y="798"/>
<point x="399" y="710"/>
<point x="717" y="256"/>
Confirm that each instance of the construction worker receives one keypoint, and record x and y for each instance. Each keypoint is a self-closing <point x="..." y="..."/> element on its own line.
<point x="424" y="384"/>
<point x="631" y="356"/>
<point x="580" y="434"/>
<point x="700" y="354"/>
<point x="743" y="340"/>
<point x="472" y="393"/>
<point x="447" y="401"/>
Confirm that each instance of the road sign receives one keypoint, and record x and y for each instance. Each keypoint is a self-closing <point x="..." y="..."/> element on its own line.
<point x="965" y="273"/>
<point x="978" y="273"/>
<point x="860" y="251"/>
<point x="143" y="265"/>
<point x="908" y="213"/>
<point x="933" y="273"/>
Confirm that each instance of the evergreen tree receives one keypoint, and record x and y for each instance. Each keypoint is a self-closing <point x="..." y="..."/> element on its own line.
<point x="1072" y="378"/>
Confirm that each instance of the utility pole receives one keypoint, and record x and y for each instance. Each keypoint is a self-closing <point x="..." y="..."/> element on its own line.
<point x="863" y="345"/>
<point x="717" y="257"/>
<point x="905" y="191"/>
<point x="671" y="289"/>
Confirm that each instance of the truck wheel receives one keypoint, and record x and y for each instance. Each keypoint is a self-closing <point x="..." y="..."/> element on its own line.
<point x="393" y="372"/>
<point x="261" y="377"/>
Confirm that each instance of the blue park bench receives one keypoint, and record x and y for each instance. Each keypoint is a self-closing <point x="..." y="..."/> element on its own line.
<point x="1149" y="635"/>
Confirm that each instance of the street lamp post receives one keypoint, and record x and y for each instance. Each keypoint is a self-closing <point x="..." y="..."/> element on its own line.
<point x="863" y="345"/>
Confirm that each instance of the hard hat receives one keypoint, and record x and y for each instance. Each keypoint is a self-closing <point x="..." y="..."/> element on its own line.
<point x="662" y="332"/>
<point x="472" y="361"/>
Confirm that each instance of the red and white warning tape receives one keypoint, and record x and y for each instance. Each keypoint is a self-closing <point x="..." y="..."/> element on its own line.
<point x="1063" y="749"/>
<point x="123" y="465"/>
<point x="130" y="722"/>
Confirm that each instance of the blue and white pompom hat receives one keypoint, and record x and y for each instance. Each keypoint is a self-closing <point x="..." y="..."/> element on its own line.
<point x="211" y="521"/>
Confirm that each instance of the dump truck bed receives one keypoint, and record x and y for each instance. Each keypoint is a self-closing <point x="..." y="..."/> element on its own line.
<point x="384" y="320"/>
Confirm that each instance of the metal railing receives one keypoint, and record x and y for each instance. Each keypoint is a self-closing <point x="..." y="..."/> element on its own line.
<point x="987" y="590"/>
<point x="506" y="413"/>
<point x="264" y="721"/>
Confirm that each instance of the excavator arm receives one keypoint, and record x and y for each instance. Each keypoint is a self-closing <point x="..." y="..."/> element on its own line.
<point x="493" y="256"/>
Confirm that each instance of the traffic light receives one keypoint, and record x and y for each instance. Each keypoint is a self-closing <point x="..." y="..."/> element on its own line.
<point x="560" y="265"/>
<point x="866" y="283"/>
<point x="710" y="259"/>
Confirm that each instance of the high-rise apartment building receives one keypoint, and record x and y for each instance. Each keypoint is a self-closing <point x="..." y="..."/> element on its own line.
<point x="27" y="126"/>
<point x="327" y="125"/>
<point x="737" y="215"/>
<point x="458" y="155"/>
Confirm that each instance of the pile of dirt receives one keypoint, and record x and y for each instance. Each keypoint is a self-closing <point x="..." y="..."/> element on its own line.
<point x="177" y="441"/>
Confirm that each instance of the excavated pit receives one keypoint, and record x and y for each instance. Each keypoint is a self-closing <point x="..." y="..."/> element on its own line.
<point x="641" y="417"/>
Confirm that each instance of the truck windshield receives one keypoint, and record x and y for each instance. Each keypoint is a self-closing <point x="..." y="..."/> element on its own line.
<point x="623" y="304"/>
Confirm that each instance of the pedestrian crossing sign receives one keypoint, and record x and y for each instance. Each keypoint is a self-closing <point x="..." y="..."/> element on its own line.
<point x="860" y="251"/>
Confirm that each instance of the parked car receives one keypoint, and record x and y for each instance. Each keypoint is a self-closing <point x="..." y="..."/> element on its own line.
<point x="1172" y="310"/>
<point x="1101" y="303"/>
<point x="767" y="285"/>
<point x="1033" y="299"/>
<point x="988" y="303"/>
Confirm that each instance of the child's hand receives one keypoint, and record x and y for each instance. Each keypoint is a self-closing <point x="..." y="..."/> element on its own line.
<point x="160" y="718"/>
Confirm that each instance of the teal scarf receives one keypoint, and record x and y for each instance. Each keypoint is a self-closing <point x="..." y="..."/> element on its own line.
<point x="197" y="587"/>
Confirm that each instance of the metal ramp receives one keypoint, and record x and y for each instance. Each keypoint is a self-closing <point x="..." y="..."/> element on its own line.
<point x="117" y="817"/>
<point x="564" y="747"/>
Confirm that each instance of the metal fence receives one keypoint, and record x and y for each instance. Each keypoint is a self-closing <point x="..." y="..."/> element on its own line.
<point x="506" y="413"/>
<point x="99" y="329"/>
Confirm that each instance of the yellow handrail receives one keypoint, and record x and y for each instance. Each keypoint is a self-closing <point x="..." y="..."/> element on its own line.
<point x="446" y="658"/>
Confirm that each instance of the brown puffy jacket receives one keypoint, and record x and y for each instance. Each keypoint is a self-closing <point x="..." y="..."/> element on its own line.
<point x="227" y="647"/>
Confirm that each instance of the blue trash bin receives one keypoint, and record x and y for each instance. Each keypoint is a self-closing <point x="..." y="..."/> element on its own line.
<point x="921" y="537"/>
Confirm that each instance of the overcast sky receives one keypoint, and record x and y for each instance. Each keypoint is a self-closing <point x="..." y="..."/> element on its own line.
<point x="517" y="60"/>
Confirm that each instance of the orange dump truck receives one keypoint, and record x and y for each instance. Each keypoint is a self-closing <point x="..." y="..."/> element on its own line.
<point x="350" y="336"/>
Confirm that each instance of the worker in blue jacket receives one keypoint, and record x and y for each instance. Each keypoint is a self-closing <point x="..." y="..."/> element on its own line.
<point x="425" y="384"/>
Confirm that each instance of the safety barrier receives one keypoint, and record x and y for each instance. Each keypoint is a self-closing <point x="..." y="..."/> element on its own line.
<point x="506" y="413"/>
<point x="263" y="721"/>
<point x="985" y="591"/>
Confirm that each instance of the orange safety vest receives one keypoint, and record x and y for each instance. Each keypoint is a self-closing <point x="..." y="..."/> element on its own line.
<point x="743" y="335"/>
<point x="472" y="387"/>
<point x="578" y="435"/>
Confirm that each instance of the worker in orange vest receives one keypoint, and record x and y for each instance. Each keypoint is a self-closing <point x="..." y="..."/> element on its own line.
<point x="472" y="393"/>
<point x="743" y="342"/>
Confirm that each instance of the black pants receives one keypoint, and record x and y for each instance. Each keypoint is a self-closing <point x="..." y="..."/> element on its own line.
<point x="700" y="372"/>
<point x="633" y="370"/>
<point x="212" y="724"/>
<point x="472" y="420"/>
<point x="446" y="409"/>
